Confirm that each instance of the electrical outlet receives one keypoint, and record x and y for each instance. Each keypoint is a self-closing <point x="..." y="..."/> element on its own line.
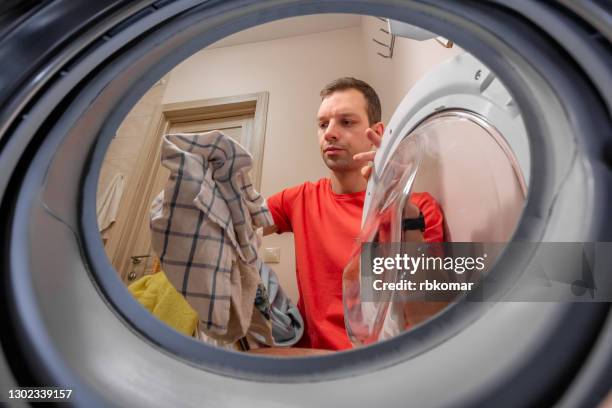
<point x="271" y="255"/>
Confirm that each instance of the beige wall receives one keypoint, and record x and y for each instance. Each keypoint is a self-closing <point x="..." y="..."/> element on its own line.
<point x="292" y="70"/>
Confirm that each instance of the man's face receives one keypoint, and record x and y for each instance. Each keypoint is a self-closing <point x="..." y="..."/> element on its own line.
<point x="343" y="120"/>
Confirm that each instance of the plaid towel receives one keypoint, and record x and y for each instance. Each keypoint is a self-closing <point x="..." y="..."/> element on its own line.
<point x="203" y="231"/>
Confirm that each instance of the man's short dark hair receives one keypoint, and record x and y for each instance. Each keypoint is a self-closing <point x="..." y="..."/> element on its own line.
<point x="372" y="100"/>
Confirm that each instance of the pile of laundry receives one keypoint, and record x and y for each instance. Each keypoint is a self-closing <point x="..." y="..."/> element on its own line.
<point x="204" y="231"/>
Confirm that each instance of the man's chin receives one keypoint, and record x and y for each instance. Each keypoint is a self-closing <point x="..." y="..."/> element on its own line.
<point x="340" y="165"/>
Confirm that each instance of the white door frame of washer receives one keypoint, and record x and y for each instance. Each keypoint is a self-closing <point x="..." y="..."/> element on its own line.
<point x="461" y="83"/>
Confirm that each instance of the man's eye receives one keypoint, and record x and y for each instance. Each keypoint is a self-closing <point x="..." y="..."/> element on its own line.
<point x="347" y="122"/>
<point x="322" y="125"/>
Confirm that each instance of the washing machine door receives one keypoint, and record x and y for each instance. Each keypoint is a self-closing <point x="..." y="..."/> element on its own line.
<point x="460" y="91"/>
<point x="458" y="137"/>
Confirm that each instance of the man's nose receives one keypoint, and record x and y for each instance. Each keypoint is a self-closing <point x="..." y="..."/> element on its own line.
<point x="331" y="132"/>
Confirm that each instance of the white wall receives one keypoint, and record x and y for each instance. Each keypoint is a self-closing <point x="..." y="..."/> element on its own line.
<point x="292" y="70"/>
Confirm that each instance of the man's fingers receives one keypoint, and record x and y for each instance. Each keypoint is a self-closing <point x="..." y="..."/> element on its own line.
<point x="369" y="156"/>
<point x="364" y="156"/>
<point x="366" y="171"/>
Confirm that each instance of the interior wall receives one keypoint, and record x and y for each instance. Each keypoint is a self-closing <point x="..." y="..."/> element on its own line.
<point x="292" y="70"/>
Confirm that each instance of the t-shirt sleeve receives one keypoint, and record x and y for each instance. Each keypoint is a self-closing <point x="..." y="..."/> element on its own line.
<point x="434" y="219"/>
<point x="280" y="206"/>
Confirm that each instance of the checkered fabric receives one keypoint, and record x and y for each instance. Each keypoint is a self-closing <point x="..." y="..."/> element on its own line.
<point x="203" y="230"/>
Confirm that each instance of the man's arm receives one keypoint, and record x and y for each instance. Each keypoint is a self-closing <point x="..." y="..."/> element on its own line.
<point x="280" y="205"/>
<point x="270" y="229"/>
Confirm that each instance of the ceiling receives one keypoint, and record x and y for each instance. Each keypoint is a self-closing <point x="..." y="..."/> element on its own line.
<point x="291" y="27"/>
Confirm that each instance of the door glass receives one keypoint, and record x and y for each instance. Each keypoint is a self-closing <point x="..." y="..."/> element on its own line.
<point x="470" y="171"/>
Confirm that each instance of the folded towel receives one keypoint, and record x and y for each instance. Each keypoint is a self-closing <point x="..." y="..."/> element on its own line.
<point x="160" y="298"/>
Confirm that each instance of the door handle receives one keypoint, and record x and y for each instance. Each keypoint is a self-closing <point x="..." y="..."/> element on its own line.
<point x="138" y="258"/>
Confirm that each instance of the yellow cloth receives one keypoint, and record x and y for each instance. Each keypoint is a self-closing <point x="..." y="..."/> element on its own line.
<point x="159" y="297"/>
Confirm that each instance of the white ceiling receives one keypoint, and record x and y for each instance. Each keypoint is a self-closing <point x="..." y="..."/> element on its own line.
<point x="291" y="27"/>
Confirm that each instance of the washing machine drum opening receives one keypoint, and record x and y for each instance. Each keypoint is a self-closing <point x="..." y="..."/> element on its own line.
<point x="71" y="322"/>
<point x="457" y="159"/>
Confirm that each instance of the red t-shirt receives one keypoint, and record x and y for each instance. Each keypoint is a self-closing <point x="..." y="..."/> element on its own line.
<point x="326" y="226"/>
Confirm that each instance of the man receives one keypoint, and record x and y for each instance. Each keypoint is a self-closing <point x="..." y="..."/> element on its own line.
<point x="325" y="216"/>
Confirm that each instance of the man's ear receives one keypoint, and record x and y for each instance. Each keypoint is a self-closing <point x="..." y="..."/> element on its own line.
<point x="379" y="128"/>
